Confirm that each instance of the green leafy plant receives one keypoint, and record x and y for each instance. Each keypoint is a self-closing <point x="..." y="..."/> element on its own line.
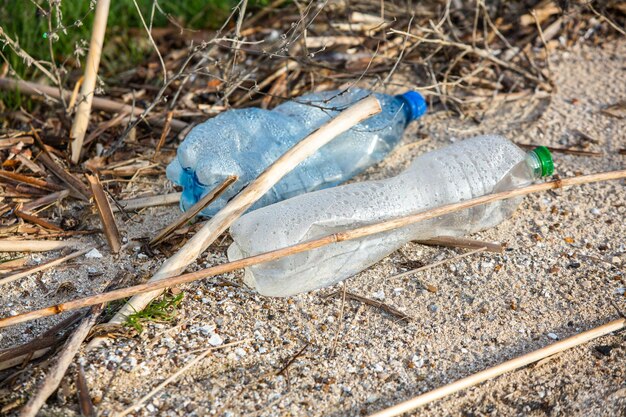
<point x="160" y="310"/>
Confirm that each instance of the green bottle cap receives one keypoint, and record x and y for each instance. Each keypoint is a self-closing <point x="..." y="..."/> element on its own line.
<point x="545" y="159"/>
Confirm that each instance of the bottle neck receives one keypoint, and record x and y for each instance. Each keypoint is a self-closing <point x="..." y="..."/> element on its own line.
<point x="413" y="105"/>
<point x="534" y="165"/>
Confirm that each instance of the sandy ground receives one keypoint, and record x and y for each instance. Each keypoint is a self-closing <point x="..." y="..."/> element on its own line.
<point x="562" y="273"/>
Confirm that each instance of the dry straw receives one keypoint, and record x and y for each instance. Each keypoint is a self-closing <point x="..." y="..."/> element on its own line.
<point x="152" y="287"/>
<point x="502" y="368"/>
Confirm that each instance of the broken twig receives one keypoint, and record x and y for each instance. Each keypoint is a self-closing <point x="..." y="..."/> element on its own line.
<point x="81" y="120"/>
<point x="502" y="368"/>
<point x="42" y="267"/>
<point x="195" y="209"/>
<point x="106" y="215"/>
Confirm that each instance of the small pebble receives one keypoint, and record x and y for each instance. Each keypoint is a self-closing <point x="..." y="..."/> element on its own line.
<point x="94" y="253"/>
<point x="595" y="211"/>
<point x="207" y="330"/>
<point x="417" y="361"/>
<point x="380" y="295"/>
<point x="216" y="340"/>
<point x="379" y="367"/>
<point x="371" y="398"/>
<point x="553" y="336"/>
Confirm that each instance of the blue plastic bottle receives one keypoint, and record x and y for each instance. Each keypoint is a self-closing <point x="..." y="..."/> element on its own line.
<point x="244" y="142"/>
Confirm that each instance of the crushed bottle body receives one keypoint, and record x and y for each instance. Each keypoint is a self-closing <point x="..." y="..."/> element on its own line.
<point x="447" y="175"/>
<point x="245" y="142"/>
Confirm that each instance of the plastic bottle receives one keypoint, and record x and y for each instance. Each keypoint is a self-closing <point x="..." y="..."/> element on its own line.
<point x="244" y="142"/>
<point x="461" y="171"/>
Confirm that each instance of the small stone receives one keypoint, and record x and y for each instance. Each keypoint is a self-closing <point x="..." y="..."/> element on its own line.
<point x="616" y="260"/>
<point x="433" y="308"/>
<point x="553" y="336"/>
<point x="207" y="330"/>
<point x="463" y="350"/>
<point x="240" y="352"/>
<point x="215" y="340"/>
<point x="262" y="349"/>
<point x="93" y="254"/>
<point x="142" y="256"/>
<point x="379" y="295"/>
<point x="372" y="398"/>
<point x="379" y="367"/>
<point x="417" y="361"/>
<point x="595" y="211"/>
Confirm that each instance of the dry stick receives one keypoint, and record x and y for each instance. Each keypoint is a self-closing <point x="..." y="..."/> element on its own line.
<point x="151" y="201"/>
<point x="87" y="91"/>
<point x="45" y="200"/>
<point x="479" y="52"/>
<point x="38" y="221"/>
<point x="7" y="245"/>
<point x="248" y="196"/>
<point x="98" y="102"/>
<point x="195" y="209"/>
<point x="429" y="266"/>
<point x="462" y="242"/>
<point x="56" y="373"/>
<point x="306" y="246"/>
<point x="43" y="267"/>
<point x="106" y="215"/>
<point x="80" y="189"/>
<point x="374" y="303"/>
<point x="176" y="375"/>
<point x="569" y="151"/>
<point x="19" y="360"/>
<point x="84" y="399"/>
<point x="502" y="368"/>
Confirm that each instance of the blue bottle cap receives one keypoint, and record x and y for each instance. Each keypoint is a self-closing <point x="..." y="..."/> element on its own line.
<point x="416" y="104"/>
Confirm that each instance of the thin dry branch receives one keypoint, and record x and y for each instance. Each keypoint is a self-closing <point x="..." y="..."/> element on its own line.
<point x="80" y="190"/>
<point x="195" y="209"/>
<point x="45" y="200"/>
<point x="502" y="368"/>
<point x="151" y="201"/>
<point x="352" y="234"/>
<point x="42" y="267"/>
<point x="374" y="303"/>
<point x="81" y="120"/>
<point x="435" y="264"/>
<point x="478" y="52"/>
<point x="106" y="215"/>
<point x="463" y="242"/>
<point x="7" y="245"/>
<point x="176" y="375"/>
<point x="97" y="103"/>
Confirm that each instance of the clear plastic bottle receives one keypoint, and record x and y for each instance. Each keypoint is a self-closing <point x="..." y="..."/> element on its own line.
<point x="244" y="142"/>
<point x="458" y="172"/>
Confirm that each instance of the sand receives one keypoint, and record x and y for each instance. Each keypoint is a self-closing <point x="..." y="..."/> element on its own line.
<point x="563" y="272"/>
